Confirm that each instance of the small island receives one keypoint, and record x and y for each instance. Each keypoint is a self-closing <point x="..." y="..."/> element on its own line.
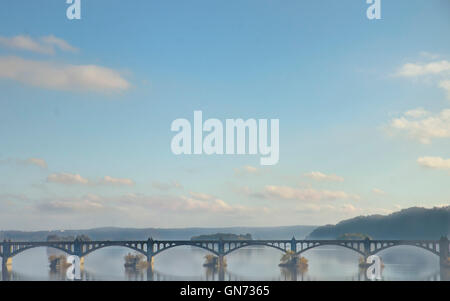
<point x="292" y="260"/>
<point x="135" y="261"/>
<point x="58" y="263"/>
<point x="212" y="261"/>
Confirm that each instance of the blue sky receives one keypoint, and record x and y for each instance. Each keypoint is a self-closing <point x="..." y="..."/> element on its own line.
<point x="86" y="108"/>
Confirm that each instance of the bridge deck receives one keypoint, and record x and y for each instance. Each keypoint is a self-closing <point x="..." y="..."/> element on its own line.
<point x="152" y="247"/>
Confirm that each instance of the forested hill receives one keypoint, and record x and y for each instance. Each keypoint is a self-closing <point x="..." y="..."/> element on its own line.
<point x="411" y="223"/>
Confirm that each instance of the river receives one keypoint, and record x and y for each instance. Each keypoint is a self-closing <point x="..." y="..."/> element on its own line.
<point x="252" y="263"/>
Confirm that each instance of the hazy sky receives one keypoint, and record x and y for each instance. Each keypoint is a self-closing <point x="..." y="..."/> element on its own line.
<point x="86" y="108"/>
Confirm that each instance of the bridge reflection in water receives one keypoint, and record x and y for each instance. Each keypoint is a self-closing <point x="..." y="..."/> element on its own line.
<point x="155" y="275"/>
<point x="150" y="248"/>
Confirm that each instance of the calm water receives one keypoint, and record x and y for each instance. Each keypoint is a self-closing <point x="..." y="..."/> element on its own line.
<point x="185" y="263"/>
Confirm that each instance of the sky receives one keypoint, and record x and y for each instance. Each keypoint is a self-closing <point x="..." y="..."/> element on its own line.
<point x="87" y="106"/>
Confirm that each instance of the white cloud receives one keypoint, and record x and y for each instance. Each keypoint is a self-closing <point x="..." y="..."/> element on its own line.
<point x="445" y="84"/>
<point x="423" y="129"/>
<point x="116" y="181"/>
<point x="243" y="190"/>
<point x="66" y="178"/>
<point x="438" y="71"/>
<point x="433" y="68"/>
<point x="201" y="196"/>
<point x="346" y="209"/>
<point x="37" y="161"/>
<point x="378" y="191"/>
<point x="417" y="113"/>
<point x="43" y="45"/>
<point x="30" y="161"/>
<point x="318" y="176"/>
<point x="59" y="43"/>
<point x="166" y="186"/>
<point x="64" y="77"/>
<point x="429" y="55"/>
<point x="349" y="208"/>
<point x="290" y="193"/>
<point x="195" y="203"/>
<point x="434" y="162"/>
<point x="247" y="169"/>
<point x="216" y="205"/>
<point x="441" y="206"/>
<point x="84" y="205"/>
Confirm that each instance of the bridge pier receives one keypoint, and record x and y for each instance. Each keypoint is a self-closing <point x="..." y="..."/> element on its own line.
<point x="8" y="263"/>
<point x="221" y="272"/>
<point x="444" y="273"/>
<point x="444" y="252"/>
<point x="6" y="267"/>
<point x="149" y="269"/>
<point x="221" y="261"/>
<point x="366" y="251"/>
<point x="5" y="272"/>
<point x="150" y="252"/>
<point x="293" y="245"/>
<point x="150" y="260"/>
<point x="150" y="276"/>
<point x="6" y="257"/>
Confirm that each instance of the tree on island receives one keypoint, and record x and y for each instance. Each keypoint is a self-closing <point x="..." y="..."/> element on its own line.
<point x="291" y="259"/>
<point x="135" y="261"/>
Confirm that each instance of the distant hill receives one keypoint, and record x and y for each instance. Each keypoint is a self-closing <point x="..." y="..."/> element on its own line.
<point x="411" y="223"/>
<point x="112" y="233"/>
<point x="223" y="236"/>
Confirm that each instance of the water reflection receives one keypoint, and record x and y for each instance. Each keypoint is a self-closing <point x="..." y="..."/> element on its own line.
<point x="186" y="263"/>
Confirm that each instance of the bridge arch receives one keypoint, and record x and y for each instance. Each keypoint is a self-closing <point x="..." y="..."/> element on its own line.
<point x="426" y="247"/>
<point x="29" y="247"/>
<point x="200" y="246"/>
<point x="108" y="245"/>
<point x="316" y="245"/>
<point x="238" y="246"/>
